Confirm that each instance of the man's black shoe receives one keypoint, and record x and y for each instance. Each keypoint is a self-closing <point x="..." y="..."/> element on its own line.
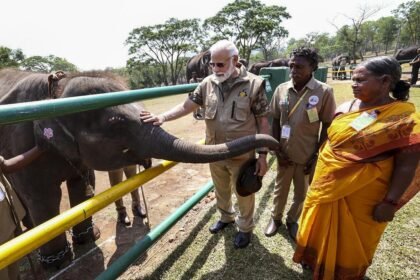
<point x="218" y="226"/>
<point x="272" y="227"/>
<point x="242" y="239"/>
<point x="292" y="228"/>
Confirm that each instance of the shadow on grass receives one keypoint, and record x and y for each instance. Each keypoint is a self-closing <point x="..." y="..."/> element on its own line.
<point x="172" y="258"/>
<point x="217" y="258"/>
<point x="253" y="262"/>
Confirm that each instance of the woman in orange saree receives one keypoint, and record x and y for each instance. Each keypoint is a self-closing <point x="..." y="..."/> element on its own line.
<point x="364" y="174"/>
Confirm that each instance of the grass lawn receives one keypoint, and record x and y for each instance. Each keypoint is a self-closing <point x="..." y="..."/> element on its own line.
<point x="200" y="255"/>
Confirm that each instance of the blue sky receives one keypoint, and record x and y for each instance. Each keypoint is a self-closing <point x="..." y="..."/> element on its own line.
<point x="91" y="33"/>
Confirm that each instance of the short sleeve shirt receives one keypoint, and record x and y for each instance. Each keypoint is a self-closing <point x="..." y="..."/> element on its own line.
<point x="304" y="135"/>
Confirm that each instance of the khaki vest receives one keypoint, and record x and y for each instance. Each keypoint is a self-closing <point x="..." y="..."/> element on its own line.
<point x="229" y="116"/>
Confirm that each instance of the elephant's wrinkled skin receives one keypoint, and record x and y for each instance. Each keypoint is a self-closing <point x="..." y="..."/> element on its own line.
<point x="103" y="139"/>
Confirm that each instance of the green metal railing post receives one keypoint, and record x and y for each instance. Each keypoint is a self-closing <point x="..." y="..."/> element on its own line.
<point x="28" y="111"/>
<point x="123" y="262"/>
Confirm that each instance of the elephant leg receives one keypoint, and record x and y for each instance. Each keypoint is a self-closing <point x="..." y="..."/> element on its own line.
<point x="44" y="205"/>
<point x="81" y="189"/>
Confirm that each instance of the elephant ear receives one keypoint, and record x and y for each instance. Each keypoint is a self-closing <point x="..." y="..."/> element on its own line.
<point x="51" y="134"/>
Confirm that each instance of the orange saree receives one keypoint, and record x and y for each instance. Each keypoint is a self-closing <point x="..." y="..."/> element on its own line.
<point x="337" y="235"/>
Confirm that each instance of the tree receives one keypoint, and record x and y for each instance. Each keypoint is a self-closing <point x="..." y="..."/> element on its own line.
<point x="351" y="34"/>
<point x="249" y="24"/>
<point x="387" y="30"/>
<point x="164" y="45"/>
<point x="10" y="58"/>
<point x="369" y="37"/>
<point x="270" y="44"/>
<point x="47" y="64"/>
<point x="409" y="15"/>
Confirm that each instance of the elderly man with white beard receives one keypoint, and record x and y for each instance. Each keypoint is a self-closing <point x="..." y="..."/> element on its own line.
<point x="235" y="105"/>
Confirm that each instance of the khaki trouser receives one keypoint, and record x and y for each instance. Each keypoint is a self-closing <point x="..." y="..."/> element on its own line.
<point x="115" y="177"/>
<point x="10" y="272"/>
<point x="284" y="178"/>
<point x="224" y="174"/>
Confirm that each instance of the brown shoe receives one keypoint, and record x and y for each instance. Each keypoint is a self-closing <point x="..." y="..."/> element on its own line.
<point x="272" y="227"/>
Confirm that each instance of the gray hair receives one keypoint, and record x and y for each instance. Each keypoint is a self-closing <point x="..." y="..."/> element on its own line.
<point x="224" y="45"/>
<point x="386" y="65"/>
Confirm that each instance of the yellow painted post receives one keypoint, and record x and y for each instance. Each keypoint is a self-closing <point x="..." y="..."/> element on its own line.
<point x="38" y="236"/>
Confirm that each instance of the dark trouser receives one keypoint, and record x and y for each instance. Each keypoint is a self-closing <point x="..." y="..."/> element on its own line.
<point x="414" y="73"/>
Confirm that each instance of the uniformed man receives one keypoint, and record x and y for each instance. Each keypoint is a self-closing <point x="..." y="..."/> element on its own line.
<point x="11" y="209"/>
<point x="235" y="105"/>
<point x="299" y="108"/>
<point x="415" y="64"/>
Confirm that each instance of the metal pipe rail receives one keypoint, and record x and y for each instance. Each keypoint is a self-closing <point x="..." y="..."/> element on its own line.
<point x="28" y="111"/>
<point x="123" y="262"/>
<point x="25" y="243"/>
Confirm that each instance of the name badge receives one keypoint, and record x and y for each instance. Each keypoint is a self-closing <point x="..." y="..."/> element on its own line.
<point x="312" y="114"/>
<point x="365" y="119"/>
<point x="1" y="195"/>
<point x="285" y="131"/>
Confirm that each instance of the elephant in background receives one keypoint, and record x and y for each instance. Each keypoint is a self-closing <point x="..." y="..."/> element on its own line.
<point x="256" y="67"/>
<point x="406" y="53"/>
<point x="200" y="65"/>
<point x="76" y="144"/>
<point x="339" y="66"/>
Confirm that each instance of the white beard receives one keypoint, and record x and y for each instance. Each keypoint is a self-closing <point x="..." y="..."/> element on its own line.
<point x="226" y="75"/>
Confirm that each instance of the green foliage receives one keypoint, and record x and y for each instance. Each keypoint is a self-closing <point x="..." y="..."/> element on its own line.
<point x="250" y="24"/>
<point x="10" y="58"/>
<point x="408" y="14"/>
<point x="164" y="45"/>
<point x="387" y="31"/>
<point x="47" y="64"/>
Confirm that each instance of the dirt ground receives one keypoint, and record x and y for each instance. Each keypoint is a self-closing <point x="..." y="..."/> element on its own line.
<point x="164" y="194"/>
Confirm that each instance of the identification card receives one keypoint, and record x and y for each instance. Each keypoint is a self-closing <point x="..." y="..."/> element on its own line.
<point x="285" y="132"/>
<point x="312" y="114"/>
<point x="1" y="195"/>
<point x="364" y="120"/>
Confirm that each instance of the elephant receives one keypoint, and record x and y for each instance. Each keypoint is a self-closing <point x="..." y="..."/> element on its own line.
<point x="406" y="53"/>
<point x="256" y="67"/>
<point x="200" y="65"/>
<point x="339" y="66"/>
<point x="76" y="144"/>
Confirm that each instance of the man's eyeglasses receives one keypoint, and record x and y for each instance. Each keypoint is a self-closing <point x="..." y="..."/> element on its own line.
<point x="218" y="64"/>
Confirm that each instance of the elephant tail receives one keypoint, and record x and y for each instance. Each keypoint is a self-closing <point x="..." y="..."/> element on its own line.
<point x="171" y="148"/>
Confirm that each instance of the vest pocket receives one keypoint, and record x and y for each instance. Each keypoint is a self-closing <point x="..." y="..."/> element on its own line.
<point x="211" y="107"/>
<point x="240" y="110"/>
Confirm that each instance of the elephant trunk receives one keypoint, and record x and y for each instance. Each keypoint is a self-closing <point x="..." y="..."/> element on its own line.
<point x="168" y="147"/>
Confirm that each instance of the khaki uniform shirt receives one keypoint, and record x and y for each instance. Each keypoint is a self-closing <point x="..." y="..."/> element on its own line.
<point x="304" y="135"/>
<point x="7" y="224"/>
<point x="231" y="107"/>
